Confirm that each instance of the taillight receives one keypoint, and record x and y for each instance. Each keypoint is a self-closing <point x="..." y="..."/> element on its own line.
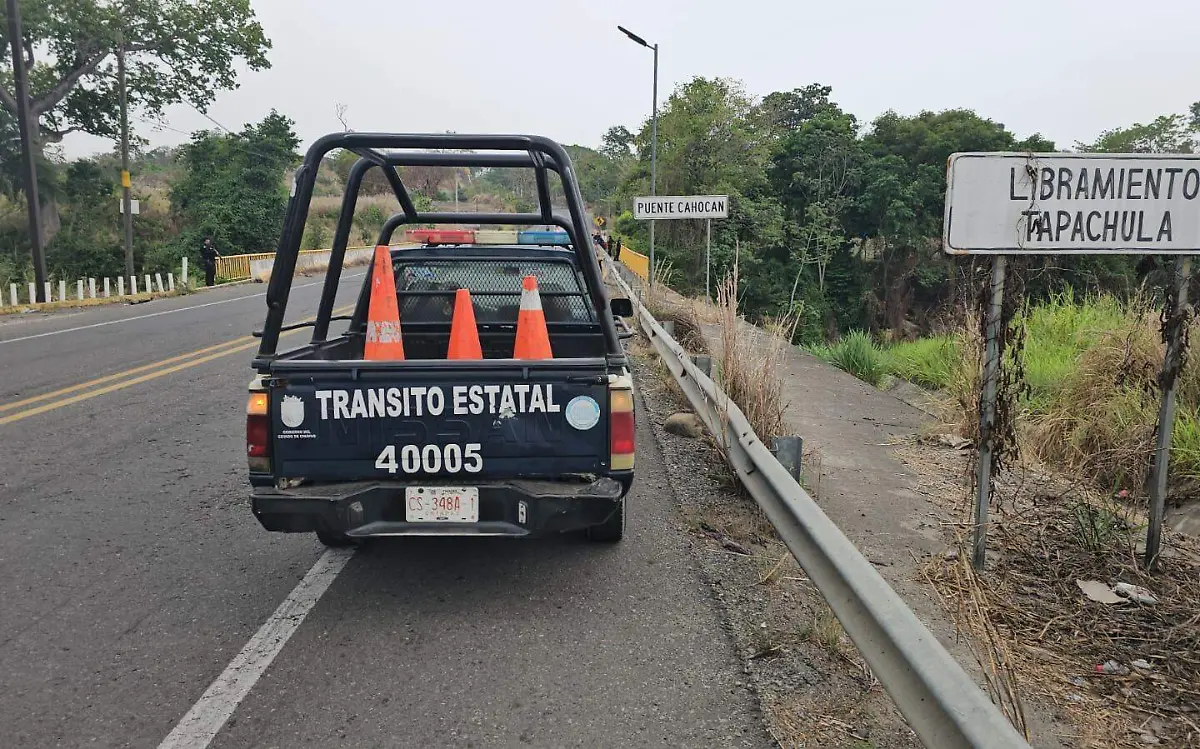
<point x="258" y="433"/>
<point x="621" y="429"/>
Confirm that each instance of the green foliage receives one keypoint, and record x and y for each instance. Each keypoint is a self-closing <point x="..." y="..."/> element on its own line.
<point x="1059" y="331"/>
<point x="175" y="52"/>
<point x="1175" y="133"/>
<point x="929" y="362"/>
<point x="233" y="187"/>
<point x="858" y="354"/>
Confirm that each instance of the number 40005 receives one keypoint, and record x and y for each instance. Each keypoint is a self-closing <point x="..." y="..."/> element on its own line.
<point x="431" y="458"/>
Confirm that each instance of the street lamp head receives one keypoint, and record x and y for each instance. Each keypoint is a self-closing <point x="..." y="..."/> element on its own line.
<point x="633" y="36"/>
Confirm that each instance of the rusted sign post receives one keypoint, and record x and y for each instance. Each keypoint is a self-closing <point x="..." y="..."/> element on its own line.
<point x="1070" y="203"/>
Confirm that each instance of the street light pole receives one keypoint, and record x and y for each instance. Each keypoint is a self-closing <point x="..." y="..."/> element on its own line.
<point x="27" y="121"/>
<point x="653" y="136"/>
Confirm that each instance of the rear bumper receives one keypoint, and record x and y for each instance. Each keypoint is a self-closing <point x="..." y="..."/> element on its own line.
<point x="373" y="509"/>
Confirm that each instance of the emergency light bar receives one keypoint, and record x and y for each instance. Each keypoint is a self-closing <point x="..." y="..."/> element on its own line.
<point x="486" y="237"/>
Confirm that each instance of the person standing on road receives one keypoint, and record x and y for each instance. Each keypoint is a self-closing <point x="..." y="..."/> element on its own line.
<point x="209" y="255"/>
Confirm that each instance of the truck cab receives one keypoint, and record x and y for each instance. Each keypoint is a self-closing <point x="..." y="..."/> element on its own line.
<point x="353" y="447"/>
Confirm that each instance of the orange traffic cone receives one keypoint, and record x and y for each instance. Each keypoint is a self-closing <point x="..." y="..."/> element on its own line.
<point x="533" y="340"/>
<point x="464" y="335"/>
<point x="383" y="313"/>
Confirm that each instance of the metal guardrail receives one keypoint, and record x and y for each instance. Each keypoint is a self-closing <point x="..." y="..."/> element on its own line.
<point x="941" y="703"/>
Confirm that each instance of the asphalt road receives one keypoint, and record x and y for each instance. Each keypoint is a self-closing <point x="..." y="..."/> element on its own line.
<point x="132" y="575"/>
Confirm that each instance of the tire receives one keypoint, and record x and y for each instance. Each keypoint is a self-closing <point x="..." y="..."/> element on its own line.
<point x="611" y="530"/>
<point x="335" y="540"/>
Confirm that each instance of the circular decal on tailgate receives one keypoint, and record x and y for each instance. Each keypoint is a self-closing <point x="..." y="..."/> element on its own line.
<point x="583" y="412"/>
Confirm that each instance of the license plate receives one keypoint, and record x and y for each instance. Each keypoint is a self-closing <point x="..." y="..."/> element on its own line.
<point x="441" y="504"/>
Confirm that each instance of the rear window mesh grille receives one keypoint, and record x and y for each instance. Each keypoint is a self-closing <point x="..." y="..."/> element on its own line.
<point x="426" y="289"/>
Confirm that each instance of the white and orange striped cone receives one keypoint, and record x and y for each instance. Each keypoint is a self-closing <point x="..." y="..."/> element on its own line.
<point x="384" y="340"/>
<point x="533" y="340"/>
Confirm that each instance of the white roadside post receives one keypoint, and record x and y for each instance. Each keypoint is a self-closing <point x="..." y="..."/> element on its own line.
<point x="158" y="280"/>
<point x="62" y="291"/>
<point x="1071" y="204"/>
<point x="149" y="288"/>
<point x="32" y="293"/>
<point x="92" y="288"/>
<point x="170" y="281"/>
<point x="47" y="290"/>
<point x="107" y="288"/>
<point x="707" y="207"/>
<point x="120" y="285"/>
<point x="79" y="289"/>
<point x="133" y="285"/>
<point x="12" y="293"/>
<point x="183" y="275"/>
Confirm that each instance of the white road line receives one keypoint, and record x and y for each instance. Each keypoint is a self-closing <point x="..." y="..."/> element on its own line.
<point x="201" y="724"/>
<point x="157" y="314"/>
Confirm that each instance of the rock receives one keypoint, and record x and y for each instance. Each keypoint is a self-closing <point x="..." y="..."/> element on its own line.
<point x="1141" y="663"/>
<point x="685" y="424"/>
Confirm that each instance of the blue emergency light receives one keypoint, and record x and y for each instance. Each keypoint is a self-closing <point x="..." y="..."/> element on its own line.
<point x="543" y="237"/>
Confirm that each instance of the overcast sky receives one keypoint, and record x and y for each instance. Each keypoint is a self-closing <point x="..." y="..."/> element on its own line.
<point x="1066" y="68"/>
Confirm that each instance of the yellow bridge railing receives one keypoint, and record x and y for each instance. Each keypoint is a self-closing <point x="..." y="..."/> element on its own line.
<point x="636" y="262"/>
<point x="237" y="267"/>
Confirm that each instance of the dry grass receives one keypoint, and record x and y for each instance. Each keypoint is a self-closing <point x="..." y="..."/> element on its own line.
<point x="751" y="361"/>
<point x="1039" y="639"/>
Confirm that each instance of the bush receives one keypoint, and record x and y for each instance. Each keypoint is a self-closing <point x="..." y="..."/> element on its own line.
<point x="928" y="362"/>
<point x="858" y="354"/>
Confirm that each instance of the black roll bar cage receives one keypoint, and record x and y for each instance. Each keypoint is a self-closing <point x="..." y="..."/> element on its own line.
<point x="522" y="151"/>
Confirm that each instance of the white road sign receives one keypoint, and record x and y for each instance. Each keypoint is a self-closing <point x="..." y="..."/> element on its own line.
<point x="1017" y="203"/>
<point x="681" y="206"/>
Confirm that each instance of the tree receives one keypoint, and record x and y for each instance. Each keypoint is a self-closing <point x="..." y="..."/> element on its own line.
<point x="176" y="52"/>
<point x="233" y="186"/>
<point x="1172" y="133"/>
<point x="782" y="112"/>
<point x="617" y="143"/>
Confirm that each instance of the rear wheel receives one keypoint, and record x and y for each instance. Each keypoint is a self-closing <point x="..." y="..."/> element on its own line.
<point x="611" y="530"/>
<point x="334" y="540"/>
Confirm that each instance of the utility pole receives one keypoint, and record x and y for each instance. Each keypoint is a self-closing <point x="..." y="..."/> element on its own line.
<point x="126" y="183"/>
<point x="26" y="122"/>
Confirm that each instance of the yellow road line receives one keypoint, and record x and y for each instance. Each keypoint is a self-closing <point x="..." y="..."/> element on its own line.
<point x="188" y="360"/>
<point x="120" y="385"/>
<point x="119" y="375"/>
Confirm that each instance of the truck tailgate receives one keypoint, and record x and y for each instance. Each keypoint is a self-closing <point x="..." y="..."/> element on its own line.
<point x="445" y="424"/>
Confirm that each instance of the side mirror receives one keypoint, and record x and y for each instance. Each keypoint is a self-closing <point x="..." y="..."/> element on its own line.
<point x="621" y="307"/>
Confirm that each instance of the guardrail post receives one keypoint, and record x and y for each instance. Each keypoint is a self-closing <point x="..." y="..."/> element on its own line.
<point x="107" y="288"/>
<point x="158" y="280"/>
<point x="170" y="281"/>
<point x="183" y="276"/>
<point x="149" y="288"/>
<point x="789" y="451"/>
<point x="62" y="291"/>
<point x="79" y="289"/>
<point x="92" y="287"/>
<point x="12" y="293"/>
<point x="703" y="362"/>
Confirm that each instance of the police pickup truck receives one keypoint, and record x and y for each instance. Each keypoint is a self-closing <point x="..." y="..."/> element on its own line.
<point x="352" y="447"/>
